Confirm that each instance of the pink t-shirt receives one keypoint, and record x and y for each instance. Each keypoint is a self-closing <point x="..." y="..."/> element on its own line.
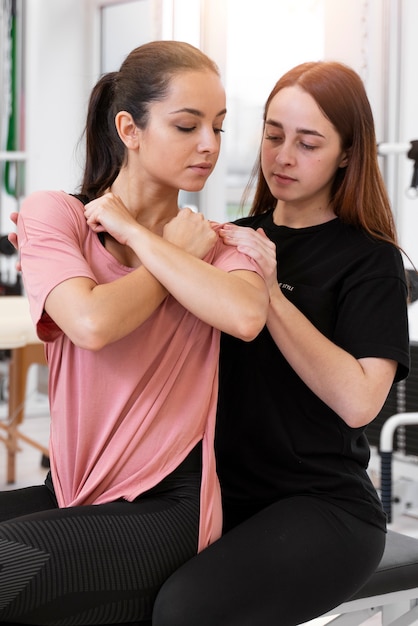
<point x="123" y="417"/>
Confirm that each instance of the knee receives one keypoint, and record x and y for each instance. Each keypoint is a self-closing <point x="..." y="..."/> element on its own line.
<point x="187" y="597"/>
<point x="170" y="608"/>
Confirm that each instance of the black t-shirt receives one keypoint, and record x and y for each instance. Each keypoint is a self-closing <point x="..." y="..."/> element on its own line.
<point x="275" y="438"/>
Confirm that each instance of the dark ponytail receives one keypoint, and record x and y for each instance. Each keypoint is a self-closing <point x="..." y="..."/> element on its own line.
<point x="104" y="149"/>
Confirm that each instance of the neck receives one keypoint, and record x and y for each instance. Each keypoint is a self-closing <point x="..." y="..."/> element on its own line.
<point x="286" y="214"/>
<point x="151" y="208"/>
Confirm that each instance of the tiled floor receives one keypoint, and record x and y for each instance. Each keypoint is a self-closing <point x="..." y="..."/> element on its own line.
<point x="29" y="470"/>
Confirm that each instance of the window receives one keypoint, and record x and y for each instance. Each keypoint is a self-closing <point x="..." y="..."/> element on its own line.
<point x="264" y="39"/>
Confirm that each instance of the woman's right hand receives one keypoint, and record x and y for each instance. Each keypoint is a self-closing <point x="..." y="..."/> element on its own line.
<point x="108" y="214"/>
<point x="191" y="232"/>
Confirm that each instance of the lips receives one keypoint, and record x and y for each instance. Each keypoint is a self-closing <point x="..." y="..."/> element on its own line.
<point x="202" y="168"/>
<point x="283" y="179"/>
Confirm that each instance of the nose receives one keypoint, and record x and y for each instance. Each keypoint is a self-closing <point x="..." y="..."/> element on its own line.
<point x="285" y="154"/>
<point x="209" y="141"/>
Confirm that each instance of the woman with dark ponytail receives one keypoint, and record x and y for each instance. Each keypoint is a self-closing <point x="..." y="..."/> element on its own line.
<point x="130" y="295"/>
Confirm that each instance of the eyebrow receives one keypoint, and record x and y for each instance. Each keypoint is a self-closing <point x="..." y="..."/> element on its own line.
<point x="300" y="131"/>
<point x="197" y="112"/>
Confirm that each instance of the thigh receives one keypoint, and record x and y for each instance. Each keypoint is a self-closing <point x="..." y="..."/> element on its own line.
<point x="18" y="502"/>
<point x="289" y="563"/>
<point x="97" y="564"/>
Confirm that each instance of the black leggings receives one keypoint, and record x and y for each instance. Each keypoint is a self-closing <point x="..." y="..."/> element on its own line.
<point x="96" y="564"/>
<point x="285" y="565"/>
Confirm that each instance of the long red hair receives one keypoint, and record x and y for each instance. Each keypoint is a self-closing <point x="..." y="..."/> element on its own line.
<point x="358" y="193"/>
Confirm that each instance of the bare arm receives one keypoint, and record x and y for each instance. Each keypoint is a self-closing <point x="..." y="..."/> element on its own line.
<point x="234" y="302"/>
<point x="93" y="315"/>
<point x="355" y="389"/>
<point x="91" y="323"/>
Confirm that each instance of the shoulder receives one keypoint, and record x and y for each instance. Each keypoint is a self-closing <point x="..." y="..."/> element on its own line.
<point x="53" y="208"/>
<point x="49" y="199"/>
<point x="383" y="254"/>
<point x="357" y="251"/>
<point x="255" y="221"/>
<point x="227" y="257"/>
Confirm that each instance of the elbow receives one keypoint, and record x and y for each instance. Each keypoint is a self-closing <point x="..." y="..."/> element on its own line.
<point x="89" y="336"/>
<point x="248" y="332"/>
<point x="250" y="326"/>
<point x="360" y="416"/>
<point x="250" y="316"/>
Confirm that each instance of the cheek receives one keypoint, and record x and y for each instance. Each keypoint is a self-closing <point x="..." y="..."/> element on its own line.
<point x="326" y="167"/>
<point x="263" y="163"/>
<point x="326" y="170"/>
<point x="267" y="157"/>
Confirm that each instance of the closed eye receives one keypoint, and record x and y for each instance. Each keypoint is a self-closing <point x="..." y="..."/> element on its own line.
<point x="189" y="129"/>
<point x="277" y="138"/>
<point x="186" y="129"/>
<point x="273" y="138"/>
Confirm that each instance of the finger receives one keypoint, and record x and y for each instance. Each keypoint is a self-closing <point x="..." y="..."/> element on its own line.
<point x="96" y="227"/>
<point x="12" y="237"/>
<point x="247" y="237"/>
<point x="229" y="226"/>
<point x="184" y="212"/>
<point x="261" y="232"/>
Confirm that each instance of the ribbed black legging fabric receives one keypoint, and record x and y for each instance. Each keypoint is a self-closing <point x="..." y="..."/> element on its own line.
<point x="100" y="564"/>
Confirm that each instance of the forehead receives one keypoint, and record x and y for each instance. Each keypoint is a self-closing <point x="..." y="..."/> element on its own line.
<point x="293" y="107"/>
<point x="202" y="90"/>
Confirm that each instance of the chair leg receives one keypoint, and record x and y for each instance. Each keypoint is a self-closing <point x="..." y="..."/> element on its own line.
<point x="21" y="360"/>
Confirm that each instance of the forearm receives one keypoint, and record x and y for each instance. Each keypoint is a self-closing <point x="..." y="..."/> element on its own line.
<point x="93" y="316"/>
<point x="234" y="302"/>
<point x="354" y="389"/>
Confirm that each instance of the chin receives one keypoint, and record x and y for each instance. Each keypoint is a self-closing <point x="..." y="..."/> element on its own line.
<point x="195" y="187"/>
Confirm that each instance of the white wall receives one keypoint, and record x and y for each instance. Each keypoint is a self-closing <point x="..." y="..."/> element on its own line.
<point x="407" y="208"/>
<point x="354" y="34"/>
<point x="378" y="38"/>
<point x="59" y="77"/>
<point x="63" y="62"/>
<point x="62" y="66"/>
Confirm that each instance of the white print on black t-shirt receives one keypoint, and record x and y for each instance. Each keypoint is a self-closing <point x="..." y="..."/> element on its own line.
<point x="286" y="286"/>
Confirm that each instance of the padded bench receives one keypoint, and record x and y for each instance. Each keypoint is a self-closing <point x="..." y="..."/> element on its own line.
<point x="391" y="591"/>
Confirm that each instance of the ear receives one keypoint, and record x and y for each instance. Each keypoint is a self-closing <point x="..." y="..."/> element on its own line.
<point x="127" y="129"/>
<point x="344" y="159"/>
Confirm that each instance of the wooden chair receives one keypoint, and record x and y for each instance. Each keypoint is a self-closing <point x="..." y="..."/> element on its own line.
<point x="17" y="334"/>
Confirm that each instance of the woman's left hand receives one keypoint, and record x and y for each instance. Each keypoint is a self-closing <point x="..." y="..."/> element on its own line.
<point x="191" y="232"/>
<point x="255" y="244"/>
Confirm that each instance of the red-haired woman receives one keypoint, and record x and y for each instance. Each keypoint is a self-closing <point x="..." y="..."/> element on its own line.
<point x="304" y="526"/>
